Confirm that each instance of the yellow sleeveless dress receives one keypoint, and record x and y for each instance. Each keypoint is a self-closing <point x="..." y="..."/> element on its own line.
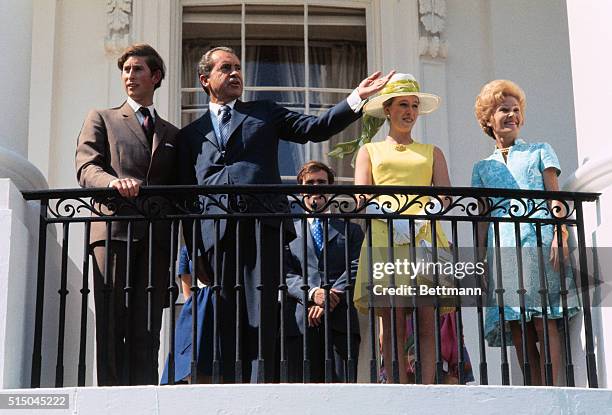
<point x="408" y="165"/>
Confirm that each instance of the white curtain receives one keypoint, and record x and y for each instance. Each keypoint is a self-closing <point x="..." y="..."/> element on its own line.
<point x="341" y="65"/>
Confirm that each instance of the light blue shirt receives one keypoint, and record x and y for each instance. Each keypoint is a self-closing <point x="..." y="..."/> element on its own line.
<point x="215" y="113"/>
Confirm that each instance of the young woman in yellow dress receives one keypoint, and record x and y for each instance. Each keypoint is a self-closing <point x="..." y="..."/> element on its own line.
<point x="400" y="160"/>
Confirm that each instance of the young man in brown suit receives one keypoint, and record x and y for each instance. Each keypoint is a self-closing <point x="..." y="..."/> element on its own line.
<point x="125" y="148"/>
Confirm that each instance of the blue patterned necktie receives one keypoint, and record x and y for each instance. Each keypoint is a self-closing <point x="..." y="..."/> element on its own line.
<point x="317" y="234"/>
<point x="225" y="116"/>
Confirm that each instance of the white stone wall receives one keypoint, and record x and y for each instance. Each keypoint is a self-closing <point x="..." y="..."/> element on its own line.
<point x="18" y="238"/>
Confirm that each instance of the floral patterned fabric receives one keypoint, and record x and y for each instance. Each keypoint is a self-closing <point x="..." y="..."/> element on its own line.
<point x="523" y="169"/>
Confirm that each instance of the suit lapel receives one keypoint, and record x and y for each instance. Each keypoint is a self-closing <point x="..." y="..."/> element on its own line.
<point x="332" y="232"/>
<point x="205" y="128"/>
<point x="313" y="258"/>
<point x="160" y="131"/>
<point x="132" y="122"/>
<point x="334" y="228"/>
<point x="238" y="116"/>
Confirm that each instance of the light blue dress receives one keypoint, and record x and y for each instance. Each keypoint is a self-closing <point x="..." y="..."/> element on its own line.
<point x="523" y="170"/>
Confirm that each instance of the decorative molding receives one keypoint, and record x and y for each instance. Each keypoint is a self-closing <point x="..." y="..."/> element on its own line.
<point x="119" y="15"/>
<point x="432" y="17"/>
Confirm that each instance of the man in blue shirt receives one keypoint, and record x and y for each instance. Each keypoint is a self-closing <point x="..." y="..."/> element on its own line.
<point x="343" y="334"/>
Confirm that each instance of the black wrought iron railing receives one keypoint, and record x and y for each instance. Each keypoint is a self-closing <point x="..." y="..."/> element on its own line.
<point x="467" y="212"/>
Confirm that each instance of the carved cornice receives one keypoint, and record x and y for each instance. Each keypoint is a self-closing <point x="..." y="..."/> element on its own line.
<point x="118" y="15"/>
<point x="432" y="16"/>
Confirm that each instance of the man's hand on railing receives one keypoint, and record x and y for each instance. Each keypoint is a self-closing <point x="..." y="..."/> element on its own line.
<point x="127" y="187"/>
<point x="319" y="298"/>
<point x="314" y="315"/>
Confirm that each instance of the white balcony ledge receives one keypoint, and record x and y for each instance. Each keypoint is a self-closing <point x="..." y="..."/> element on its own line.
<point x="329" y="399"/>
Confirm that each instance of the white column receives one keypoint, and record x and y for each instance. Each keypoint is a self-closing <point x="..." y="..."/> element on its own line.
<point x="15" y="47"/>
<point x="16" y="51"/>
<point x="18" y="219"/>
<point x="590" y="37"/>
<point x="158" y="23"/>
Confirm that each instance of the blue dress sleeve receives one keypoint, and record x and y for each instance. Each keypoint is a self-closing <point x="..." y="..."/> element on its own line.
<point x="476" y="179"/>
<point x="548" y="158"/>
<point x="184" y="264"/>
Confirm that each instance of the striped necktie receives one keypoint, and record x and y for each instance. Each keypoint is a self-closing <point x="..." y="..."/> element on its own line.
<point x="225" y="117"/>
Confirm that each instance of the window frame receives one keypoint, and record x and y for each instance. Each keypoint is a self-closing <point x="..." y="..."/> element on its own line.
<point x="306" y="21"/>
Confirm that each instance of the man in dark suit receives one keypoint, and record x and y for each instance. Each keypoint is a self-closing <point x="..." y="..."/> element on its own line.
<point x="341" y="332"/>
<point x="236" y="142"/>
<point x="123" y="148"/>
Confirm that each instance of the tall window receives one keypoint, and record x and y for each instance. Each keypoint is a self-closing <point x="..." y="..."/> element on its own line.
<point x="306" y="58"/>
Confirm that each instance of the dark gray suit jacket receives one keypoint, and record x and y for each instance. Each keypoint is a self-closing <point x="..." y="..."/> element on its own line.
<point x="251" y="154"/>
<point x="336" y="268"/>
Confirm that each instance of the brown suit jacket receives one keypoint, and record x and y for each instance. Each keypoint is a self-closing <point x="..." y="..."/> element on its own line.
<point x="112" y="145"/>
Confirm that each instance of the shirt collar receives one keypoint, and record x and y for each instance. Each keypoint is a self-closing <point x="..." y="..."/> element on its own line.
<point x="214" y="107"/>
<point x="519" y="142"/>
<point x="310" y="219"/>
<point x="136" y="106"/>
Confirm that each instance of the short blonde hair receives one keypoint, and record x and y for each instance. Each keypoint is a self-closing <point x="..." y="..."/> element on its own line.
<point x="489" y="98"/>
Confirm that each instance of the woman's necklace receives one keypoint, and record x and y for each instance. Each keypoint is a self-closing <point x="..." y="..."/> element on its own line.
<point x="504" y="152"/>
<point x="400" y="147"/>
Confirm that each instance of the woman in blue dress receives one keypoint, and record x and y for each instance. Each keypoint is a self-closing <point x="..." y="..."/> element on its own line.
<point x="183" y="330"/>
<point x="517" y="164"/>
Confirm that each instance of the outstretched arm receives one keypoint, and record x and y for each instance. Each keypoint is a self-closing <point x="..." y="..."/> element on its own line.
<point x="373" y="84"/>
<point x="300" y="128"/>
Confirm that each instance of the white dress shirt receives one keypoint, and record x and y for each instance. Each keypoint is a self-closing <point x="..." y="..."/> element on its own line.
<point x="136" y="107"/>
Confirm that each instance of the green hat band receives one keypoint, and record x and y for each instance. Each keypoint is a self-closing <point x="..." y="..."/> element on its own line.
<point x="401" y="86"/>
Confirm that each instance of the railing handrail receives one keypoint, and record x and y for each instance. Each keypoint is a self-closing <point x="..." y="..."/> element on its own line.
<point x="323" y="189"/>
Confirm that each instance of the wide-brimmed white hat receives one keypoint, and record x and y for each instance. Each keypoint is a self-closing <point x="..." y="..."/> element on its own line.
<point x="401" y="84"/>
